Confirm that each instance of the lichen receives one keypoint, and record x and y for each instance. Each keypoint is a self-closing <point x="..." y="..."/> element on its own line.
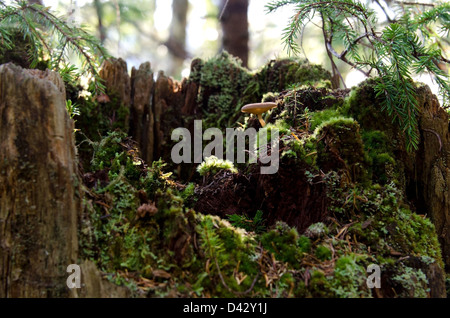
<point x="414" y="283"/>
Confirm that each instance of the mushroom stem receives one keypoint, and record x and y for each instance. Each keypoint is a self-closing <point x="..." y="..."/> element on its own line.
<point x="261" y="120"/>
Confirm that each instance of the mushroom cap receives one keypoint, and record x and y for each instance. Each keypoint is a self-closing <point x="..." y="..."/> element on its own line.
<point x="258" y="108"/>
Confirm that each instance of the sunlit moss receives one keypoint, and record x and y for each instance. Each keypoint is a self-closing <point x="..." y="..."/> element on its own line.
<point x="212" y="165"/>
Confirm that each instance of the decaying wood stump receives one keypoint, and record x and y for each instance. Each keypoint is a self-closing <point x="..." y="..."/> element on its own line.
<point x="39" y="191"/>
<point x="431" y="174"/>
<point x="169" y="100"/>
<point x="117" y="81"/>
<point x="40" y="194"/>
<point x="117" y="101"/>
<point x="142" y="119"/>
<point x="157" y="108"/>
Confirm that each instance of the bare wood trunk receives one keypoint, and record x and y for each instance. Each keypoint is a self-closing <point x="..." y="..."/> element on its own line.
<point x="431" y="168"/>
<point x="39" y="191"/>
<point x="114" y="72"/>
<point x="142" y="118"/>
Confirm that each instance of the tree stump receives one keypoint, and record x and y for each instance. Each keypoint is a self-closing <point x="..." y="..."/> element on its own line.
<point x="117" y="102"/>
<point x="39" y="188"/>
<point x="142" y="119"/>
<point x="432" y="171"/>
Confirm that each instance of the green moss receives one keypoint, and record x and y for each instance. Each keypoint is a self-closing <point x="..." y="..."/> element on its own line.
<point x="380" y="156"/>
<point x="115" y="242"/>
<point x="341" y="147"/>
<point x="338" y="122"/>
<point x="283" y="243"/>
<point x="319" y="285"/>
<point x="364" y="106"/>
<point x="212" y="165"/>
<point x="222" y="82"/>
<point x="228" y="250"/>
<point x="304" y="243"/>
<point x="390" y="226"/>
<point x="320" y="117"/>
<point x="281" y="125"/>
<point x="302" y="150"/>
<point x="106" y="150"/>
<point x="323" y="253"/>
<point x="206" y="256"/>
<point x="278" y="75"/>
<point x="188" y="194"/>
<point x="155" y="179"/>
<point x="350" y="277"/>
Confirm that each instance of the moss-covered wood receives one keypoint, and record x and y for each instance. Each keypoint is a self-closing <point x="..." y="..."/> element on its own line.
<point x="347" y="193"/>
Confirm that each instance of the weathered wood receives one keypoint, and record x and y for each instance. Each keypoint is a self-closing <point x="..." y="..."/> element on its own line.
<point x="93" y="285"/>
<point x="169" y="99"/>
<point x="432" y="167"/>
<point x="142" y="119"/>
<point x="39" y="191"/>
<point x="117" y="81"/>
<point x="114" y="72"/>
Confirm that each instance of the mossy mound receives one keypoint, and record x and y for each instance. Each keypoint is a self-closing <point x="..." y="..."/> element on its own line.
<point x="340" y="147"/>
<point x="141" y="231"/>
<point x="338" y="204"/>
<point x="225" y="86"/>
<point x="279" y="75"/>
<point x="222" y="81"/>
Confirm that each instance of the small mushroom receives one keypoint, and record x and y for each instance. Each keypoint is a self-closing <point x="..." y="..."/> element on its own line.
<point x="258" y="109"/>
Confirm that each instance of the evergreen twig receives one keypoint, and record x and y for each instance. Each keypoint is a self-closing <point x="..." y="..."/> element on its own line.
<point x="51" y="37"/>
<point x="395" y="52"/>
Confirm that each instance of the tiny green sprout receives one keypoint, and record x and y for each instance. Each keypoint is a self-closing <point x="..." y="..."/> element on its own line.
<point x="72" y="109"/>
<point x="213" y="165"/>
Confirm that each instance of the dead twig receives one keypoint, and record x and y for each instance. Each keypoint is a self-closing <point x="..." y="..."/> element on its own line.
<point x="437" y="136"/>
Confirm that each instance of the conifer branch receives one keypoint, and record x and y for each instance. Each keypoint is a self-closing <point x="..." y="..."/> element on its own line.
<point x="395" y="52"/>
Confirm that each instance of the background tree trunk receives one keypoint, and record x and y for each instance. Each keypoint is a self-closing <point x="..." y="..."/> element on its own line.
<point x="235" y="34"/>
<point x="177" y="38"/>
<point x="101" y="29"/>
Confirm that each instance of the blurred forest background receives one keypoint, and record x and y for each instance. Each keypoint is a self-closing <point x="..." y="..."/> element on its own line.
<point x="170" y="33"/>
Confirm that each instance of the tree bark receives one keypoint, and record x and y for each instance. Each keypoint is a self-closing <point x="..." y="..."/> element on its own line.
<point x="235" y="34"/>
<point x="114" y="72"/>
<point x="39" y="188"/>
<point x="142" y="118"/>
<point x="40" y="192"/>
<point x="430" y="173"/>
